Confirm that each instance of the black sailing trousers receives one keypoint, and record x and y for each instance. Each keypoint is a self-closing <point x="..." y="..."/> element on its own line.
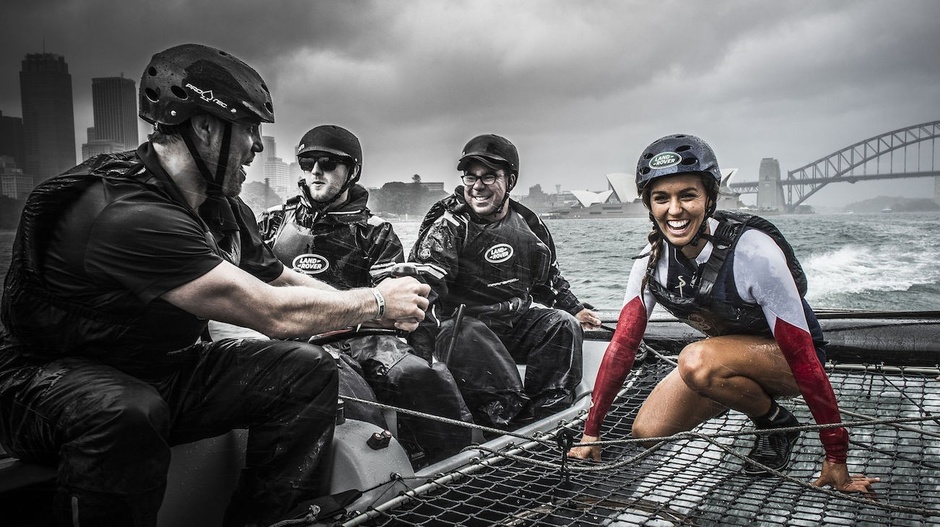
<point x="110" y="433"/>
<point x="486" y="351"/>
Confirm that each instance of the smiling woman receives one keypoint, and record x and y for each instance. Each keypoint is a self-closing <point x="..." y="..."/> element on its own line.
<point x="735" y="279"/>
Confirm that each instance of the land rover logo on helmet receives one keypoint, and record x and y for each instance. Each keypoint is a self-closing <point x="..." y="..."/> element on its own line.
<point x="498" y="253"/>
<point x="665" y="160"/>
<point x="310" y="264"/>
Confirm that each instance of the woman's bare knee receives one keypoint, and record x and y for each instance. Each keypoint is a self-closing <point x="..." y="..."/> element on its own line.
<point x="643" y="429"/>
<point x="695" y="368"/>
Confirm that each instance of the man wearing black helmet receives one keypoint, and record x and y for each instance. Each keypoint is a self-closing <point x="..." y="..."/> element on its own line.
<point x="494" y="277"/>
<point x="329" y="233"/>
<point x="734" y="278"/>
<point x="119" y="263"/>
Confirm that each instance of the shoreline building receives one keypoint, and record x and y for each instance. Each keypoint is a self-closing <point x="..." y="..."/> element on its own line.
<point x="13" y="182"/>
<point x="11" y="139"/>
<point x="48" y="115"/>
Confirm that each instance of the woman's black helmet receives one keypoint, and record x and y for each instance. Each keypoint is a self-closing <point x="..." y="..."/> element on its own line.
<point x="676" y="154"/>
<point x="189" y="79"/>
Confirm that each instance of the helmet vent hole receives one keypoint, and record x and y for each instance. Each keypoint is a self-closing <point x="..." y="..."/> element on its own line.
<point x="152" y="71"/>
<point x="645" y="170"/>
<point x="683" y="148"/>
<point x="179" y="92"/>
<point x="269" y="107"/>
<point x="689" y="161"/>
<point x="152" y="95"/>
<point x="265" y="88"/>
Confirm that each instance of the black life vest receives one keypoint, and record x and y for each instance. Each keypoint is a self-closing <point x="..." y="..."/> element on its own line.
<point x="48" y="324"/>
<point x="714" y="306"/>
<point x="333" y="247"/>
<point x="530" y="253"/>
<point x="29" y="307"/>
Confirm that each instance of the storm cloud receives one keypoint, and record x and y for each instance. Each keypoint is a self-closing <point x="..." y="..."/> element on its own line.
<point x="579" y="87"/>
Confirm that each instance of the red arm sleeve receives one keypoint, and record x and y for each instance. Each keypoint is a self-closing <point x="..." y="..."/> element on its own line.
<point x="617" y="362"/>
<point x="797" y="346"/>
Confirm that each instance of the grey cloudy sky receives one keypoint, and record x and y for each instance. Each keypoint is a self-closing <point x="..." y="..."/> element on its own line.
<point x="579" y="86"/>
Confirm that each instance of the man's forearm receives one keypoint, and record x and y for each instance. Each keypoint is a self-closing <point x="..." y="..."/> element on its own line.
<point x="291" y="277"/>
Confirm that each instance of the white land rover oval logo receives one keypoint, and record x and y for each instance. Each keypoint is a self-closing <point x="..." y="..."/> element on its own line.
<point x="498" y="253"/>
<point x="310" y="263"/>
<point x="665" y="160"/>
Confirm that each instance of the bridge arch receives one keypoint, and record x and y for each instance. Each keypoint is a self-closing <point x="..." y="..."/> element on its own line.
<point x="861" y="161"/>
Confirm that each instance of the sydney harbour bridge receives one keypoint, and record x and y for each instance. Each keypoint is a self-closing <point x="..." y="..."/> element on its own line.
<point x="909" y="152"/>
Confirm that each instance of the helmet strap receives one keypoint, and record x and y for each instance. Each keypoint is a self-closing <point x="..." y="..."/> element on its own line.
<point x="213" y="182"/>
<point x="499" y="208"/>
<point x="703" y="228"/>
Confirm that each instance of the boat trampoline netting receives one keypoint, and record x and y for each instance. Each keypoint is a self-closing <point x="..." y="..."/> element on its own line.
<point x="697" y="478"/>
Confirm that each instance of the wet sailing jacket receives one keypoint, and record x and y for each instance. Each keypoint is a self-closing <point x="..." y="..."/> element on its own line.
<point x="344" y="245"/>
<point x="477" y="263"/>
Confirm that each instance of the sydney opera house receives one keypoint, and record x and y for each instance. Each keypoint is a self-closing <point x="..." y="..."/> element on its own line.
<point x="621" y="201"/>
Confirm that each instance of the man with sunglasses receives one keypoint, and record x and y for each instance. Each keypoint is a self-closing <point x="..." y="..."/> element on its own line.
<point x="498" y="283"/>
<point x="328" y="233"/>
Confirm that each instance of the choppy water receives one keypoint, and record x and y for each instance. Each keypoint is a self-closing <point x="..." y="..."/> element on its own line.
<point x="853" y="261"/>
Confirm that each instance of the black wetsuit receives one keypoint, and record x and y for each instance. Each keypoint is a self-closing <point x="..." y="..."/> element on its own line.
<point x="497" y="270"/>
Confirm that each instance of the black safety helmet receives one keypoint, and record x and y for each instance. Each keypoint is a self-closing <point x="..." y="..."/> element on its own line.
<point x="189" y="79"/>
<point x="334" y="140"/>
<point x="676" y="154"/>
<point x="680" y="154"/>
<point x="492" y="149"/>
<point x="192" y="79"/>
<point x="496" y="152"/>
<point x="330" y="139"/>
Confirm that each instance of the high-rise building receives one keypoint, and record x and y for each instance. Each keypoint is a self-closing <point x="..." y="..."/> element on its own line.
<point x="114" y="102"/>
<point x="11" y="139"/>
<point x="48" y="116"/>
<point x="269" y="169"/>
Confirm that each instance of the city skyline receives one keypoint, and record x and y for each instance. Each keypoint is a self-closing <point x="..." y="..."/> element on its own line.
<point x="580" y="89"/>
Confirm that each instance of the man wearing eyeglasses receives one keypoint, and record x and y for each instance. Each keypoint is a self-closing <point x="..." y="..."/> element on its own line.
<point x="328" y="233"/>
<point x="498" y="283"/>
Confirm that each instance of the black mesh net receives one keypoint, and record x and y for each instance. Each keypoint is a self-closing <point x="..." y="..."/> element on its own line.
<point x="695" y="480"/>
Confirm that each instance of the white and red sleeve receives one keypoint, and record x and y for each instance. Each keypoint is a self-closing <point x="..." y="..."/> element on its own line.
<point x="763" y="277"/>
<point x="620" y="353"/>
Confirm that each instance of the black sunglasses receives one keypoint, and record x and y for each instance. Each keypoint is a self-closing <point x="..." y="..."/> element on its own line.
<point x="327" y="163"/>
